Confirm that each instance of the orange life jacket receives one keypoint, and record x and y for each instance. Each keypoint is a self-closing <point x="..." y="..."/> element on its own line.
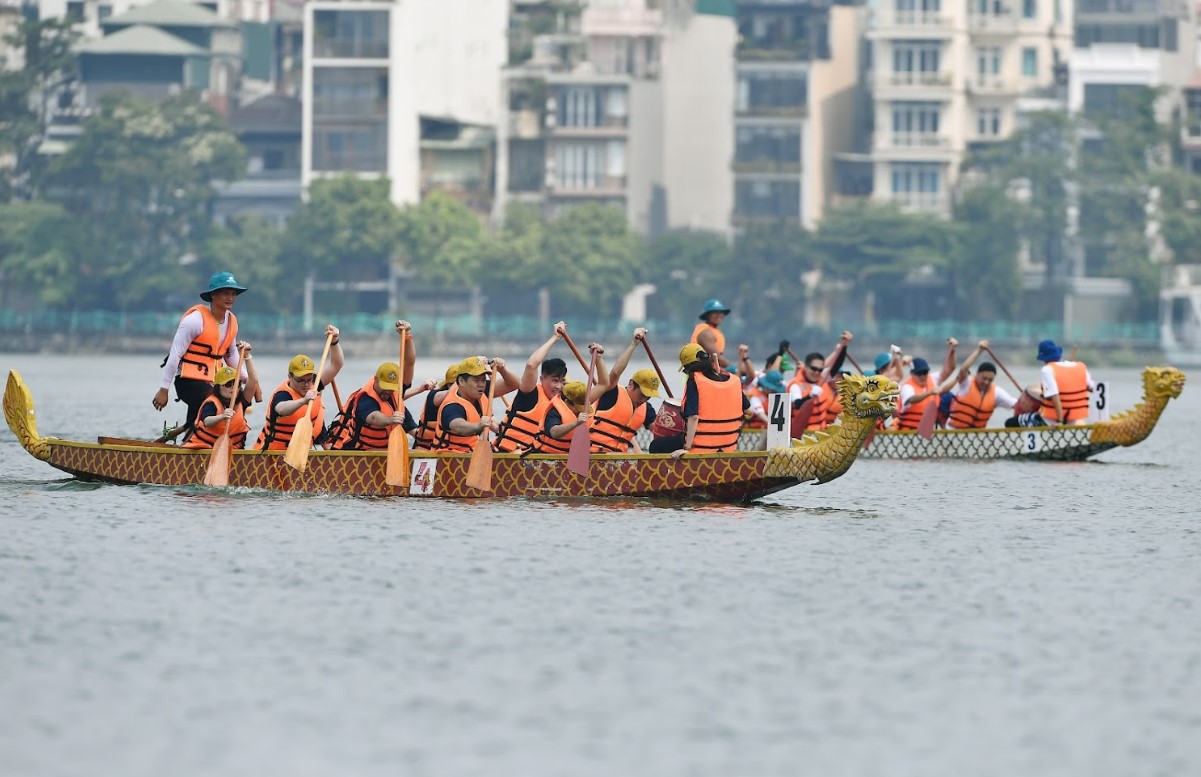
<point x="203" y="355"/>
<point x="911" y="415"/>
<point x="752" y="391"/>
<point x="278" y="429"/>
<point x="717" y="335"/>
<point x="972" y="411"/>
<point x="1072" y="380"/>
<point x="206" y="437"/>
<point x="518" y="430"/>
<point x="544" y="443"/>
<point x="445" y="440"/>
<point x="614" y="427"/>
<point x="426" y="433"/>
<point x="719" y="414"/>
<point x="349" y="435"/>
<point x="817" y="416"/>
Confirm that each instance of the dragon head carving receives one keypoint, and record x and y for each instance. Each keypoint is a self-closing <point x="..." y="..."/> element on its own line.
<point x="1162" y="382"/>
<point x="868" y="396"/>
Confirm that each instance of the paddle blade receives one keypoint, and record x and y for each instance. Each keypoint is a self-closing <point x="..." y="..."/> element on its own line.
<point x="217" y="474"/>
<point x="479" y="470"/>
<point x="297" y="455"/>
<point x="396" y="472"/>
<point x="579" y="456"/>
<point x="925" y="426"/>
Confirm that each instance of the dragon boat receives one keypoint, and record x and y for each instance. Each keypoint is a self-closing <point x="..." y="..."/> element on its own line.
<point x="1039" y="443"/>
<point x="740" y="476"/>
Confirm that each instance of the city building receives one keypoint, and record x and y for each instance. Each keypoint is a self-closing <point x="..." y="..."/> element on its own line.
<point x="627" y="104"/>
<point x="373" y="68"/>
<point x="797" y="92"/>
<point x="946" y="76"/>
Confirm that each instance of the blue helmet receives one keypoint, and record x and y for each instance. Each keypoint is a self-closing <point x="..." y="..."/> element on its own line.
<point x="221" y="280"/>
<point x="713" y="306"/>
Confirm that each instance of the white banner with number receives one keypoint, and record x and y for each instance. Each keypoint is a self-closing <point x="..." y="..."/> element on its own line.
<point x="779" y="421"/>
<point x="1098" y="406"/>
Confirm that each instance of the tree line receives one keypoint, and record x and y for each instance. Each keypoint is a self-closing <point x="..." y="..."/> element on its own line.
<point x="122" y="221"/>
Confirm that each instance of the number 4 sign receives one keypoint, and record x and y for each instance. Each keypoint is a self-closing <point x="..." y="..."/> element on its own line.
<point x="779" y="421"/>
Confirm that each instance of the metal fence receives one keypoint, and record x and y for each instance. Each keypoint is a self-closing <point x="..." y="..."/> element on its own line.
<point x="530" y="328"/>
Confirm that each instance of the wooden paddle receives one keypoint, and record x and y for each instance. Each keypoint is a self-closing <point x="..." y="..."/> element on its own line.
<point x="297" y="455"/>
<point x="217" y="473"/>
<point x="658" y="369"/>
<point x="579" y="456"/>
<point x="576" y="351"/>
<point x="396" y="471"/>
<point x="1005" y="369"/>
<point x="479" y="469"/>
<point x="854" y="363"/>
<point x="337" y="395"/>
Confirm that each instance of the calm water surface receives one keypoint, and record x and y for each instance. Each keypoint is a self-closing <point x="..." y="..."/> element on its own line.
<point x="909" y="619"/>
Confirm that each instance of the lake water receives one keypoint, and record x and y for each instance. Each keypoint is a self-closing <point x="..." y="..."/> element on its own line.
<point x="911" y="618"/>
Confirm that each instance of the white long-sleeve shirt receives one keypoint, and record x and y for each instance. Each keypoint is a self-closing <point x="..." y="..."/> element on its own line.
<point x="190" y="327"/>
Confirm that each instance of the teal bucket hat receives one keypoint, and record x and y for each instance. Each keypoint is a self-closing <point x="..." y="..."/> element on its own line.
<point x="221" y="280"/>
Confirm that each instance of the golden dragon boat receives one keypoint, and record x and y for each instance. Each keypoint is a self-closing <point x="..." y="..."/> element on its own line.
<point x="1039" y="443"/>
<point x="723" y="477"/>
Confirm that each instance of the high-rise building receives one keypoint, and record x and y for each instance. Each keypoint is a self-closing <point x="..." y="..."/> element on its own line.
<point x="948" y="75"/>
<point x="373" y="68"/>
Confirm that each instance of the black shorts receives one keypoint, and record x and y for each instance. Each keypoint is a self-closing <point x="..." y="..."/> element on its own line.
<point x="192" y="393"/>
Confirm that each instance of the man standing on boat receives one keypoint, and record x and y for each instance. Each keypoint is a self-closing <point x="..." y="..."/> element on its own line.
<point x="1067" y="386"/>
<point x="207" y="334"/>
<point x="708" y="334"/>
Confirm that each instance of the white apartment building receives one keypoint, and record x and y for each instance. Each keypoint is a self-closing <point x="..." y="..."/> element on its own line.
<point x="632" y="109"/>
<point x="947" y="75"/>
<point x="372" y="68"/>
<point x="90" y="13"/>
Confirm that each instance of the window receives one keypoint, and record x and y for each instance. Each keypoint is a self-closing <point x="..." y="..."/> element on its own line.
<point x="1030" y="62"/>
<point x="75" y="12"/>
<point x="771" y="145"/>
<point x="916" y="179"/>
<point x="781" y="93"/>
<point x="988" y="62"/>
<point x="340" y="146"/>
<point x="1029" y="9"/>
<point x="768" y="199"/>
<point x="988" y="122"/>
<point x="350" y="34"/>
<point x="912" y="120"/>
<point x="103" y="12"/>
<point x="916" y="62"/>
<point x="350" y="92"/>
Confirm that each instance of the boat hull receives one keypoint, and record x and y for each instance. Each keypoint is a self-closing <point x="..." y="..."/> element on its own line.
<point x="730" y="477"/>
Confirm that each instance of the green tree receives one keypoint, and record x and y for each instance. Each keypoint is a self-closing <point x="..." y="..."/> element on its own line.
<point x="47" y="47"/>
<point x="1180" y="202"/>
<point x="442" y="241"/>
<point x="686" y="269"/>
<point x="40" y="250"/>
<point x="139" y="180"/>
<point x="877" y="246"/>
<point x="590" y="259"/>
<point x="984" y="266"/>
<point x="348" y="229"/>
<point x="514" y="255"/>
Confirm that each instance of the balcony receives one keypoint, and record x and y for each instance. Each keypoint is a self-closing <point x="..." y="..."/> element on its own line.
<point x="912" y="147"/>
<point x="913" y="85"/>
<point x="609" y="127"/>
<point x="773" y="112"/>
<point x="992" y="25"/>
<point x="766" y="168"/>
<point x="993" y="86"/>
<point x="1190" y="134"/>
<point x="762" y="51"/>
<point x="921" y="202"/>
<point x="349" y="108"/>
<point x="599" y="186"/>
<point x="911" y="25"/>
<point x="628" y="22"/>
